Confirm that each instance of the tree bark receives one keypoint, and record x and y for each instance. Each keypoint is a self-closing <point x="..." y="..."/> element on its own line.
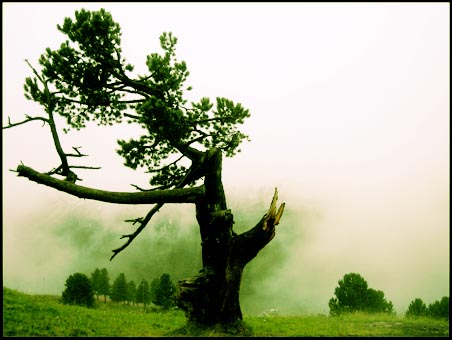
<point x="212" y="296"/>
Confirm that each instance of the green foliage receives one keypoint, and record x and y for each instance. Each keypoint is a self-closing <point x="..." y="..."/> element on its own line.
<point x="416" y="308"/>
<point x="353" y="294"/>
<point x="119" y="289"/>
<point x="439" y="309"/>
<point x="143" y="293"/>
<point x="87" y="79"/>
<point x="43" y="315"/>
<point x="78" y="291"/>
<point x="101" y="282"/>
<point x="154" y="286"/>
<point x="131" y="291"/>
<point x="104" y="283"/>
<point x="163" y="292"/>
<point x="95" y="279"/>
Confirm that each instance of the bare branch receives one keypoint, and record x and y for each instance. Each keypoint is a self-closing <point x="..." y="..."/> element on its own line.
<point x="178" y="195"/>
<point x="29" y="119"/>
<point x="78" y="154"/>
<point x="135" y="220"/>
<point x="129" y="115"/>
<point x="84" y="167"/>
<point x="143" y="224"/>
<point x="105" y="103"/>
<point x="195" y="172"/>
<point x="166" y="166"/>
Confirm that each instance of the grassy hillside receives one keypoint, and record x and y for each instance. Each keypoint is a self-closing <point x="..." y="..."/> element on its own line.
<point x="44" y="315"/>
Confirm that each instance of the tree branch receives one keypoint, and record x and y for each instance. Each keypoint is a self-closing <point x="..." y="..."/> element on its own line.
<point x="78" y="154"/>
<point x="195" y="172"/>
<point x="143" y="223"/>
<point x="249" y="243"/>
<point x="29" y="119"/>
<point x="187" y="195"/>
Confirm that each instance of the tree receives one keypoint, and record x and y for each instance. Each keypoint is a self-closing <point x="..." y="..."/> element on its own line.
<point x="416" y="308"/>
<point x="131" y="292"/>
<point x="78" y="291"/>
<point x="119" y="289"/>
<point x="143" y="293"/>
<point x="164" y="292"/>
<point x="375" y="302"/>
<point x="104" y="283"/>
<point x="95" y="281"/>
<point x="353" y="294"/>
<point x="181" y="146"/>
<point x="439" y="309"/>
<point x="154" y="286"/>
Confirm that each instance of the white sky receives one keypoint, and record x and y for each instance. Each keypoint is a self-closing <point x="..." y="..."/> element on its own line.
<point x="349" y="118"/>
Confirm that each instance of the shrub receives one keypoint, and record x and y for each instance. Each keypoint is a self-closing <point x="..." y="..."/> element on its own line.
<point x="79" y="291"/>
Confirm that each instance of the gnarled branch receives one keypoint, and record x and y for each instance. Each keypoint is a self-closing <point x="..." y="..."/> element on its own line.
<point x="183" y="195"/>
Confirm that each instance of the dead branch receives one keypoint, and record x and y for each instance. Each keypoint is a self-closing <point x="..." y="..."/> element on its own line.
<point x="28" y="119"/>
<point x="143" y="223"/>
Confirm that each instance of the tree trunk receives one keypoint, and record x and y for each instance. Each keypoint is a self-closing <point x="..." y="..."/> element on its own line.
<point x="212" y="296"/>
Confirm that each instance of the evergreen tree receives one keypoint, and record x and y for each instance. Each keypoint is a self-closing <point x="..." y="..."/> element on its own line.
<point x="143" y="293"/>
<point x="104" y="283"/>
<point x="439" y="309"/>
<point x="131" y="292"/>
<point x="79" y="291"/>
<point x="154" y="286"/>
<point x="164" y="293"/>
<point x="416" y="308"/>
<point x="353" y="294"/>
<point x="96" y="282"/>
<point x="119" y="289"/>
<point x="181" y="145"/>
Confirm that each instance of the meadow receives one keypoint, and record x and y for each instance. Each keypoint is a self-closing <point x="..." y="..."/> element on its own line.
<point x="45" y="315"/>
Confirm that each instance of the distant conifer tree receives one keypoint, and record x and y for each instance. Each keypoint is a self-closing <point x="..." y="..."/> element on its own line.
<point x="79" y="291"/>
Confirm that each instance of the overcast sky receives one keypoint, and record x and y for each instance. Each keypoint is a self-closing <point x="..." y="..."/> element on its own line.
<point x="349" y="119"/>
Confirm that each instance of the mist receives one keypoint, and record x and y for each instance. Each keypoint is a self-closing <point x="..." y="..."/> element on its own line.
<point x="296" y="273"/>
<point x="350" y="120"/>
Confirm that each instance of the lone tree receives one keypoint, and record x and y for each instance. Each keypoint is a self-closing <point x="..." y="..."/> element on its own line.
<point x="353" y="295"/>
<point x="78" y="291"/>
<point x="181" y="146"/>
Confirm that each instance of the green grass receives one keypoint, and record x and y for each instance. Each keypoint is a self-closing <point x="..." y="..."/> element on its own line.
<point x="44" y="315"/>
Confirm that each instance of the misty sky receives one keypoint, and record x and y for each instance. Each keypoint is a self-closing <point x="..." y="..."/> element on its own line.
<point x="349" y="119"/>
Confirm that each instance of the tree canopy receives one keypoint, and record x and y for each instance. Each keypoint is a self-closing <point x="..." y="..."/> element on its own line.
<point x="353" y="294"/>
<point x="78" y="291"/>
<point x="88" y="79"/>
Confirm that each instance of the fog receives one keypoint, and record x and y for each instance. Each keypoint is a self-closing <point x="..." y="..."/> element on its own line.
<point x="349" y="120"/>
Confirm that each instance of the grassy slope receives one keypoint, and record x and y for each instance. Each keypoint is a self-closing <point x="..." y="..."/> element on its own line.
<point x="40" y="315"/>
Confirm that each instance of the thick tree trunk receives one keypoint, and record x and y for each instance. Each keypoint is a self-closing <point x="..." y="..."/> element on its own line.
<point x="212" y="297"/>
